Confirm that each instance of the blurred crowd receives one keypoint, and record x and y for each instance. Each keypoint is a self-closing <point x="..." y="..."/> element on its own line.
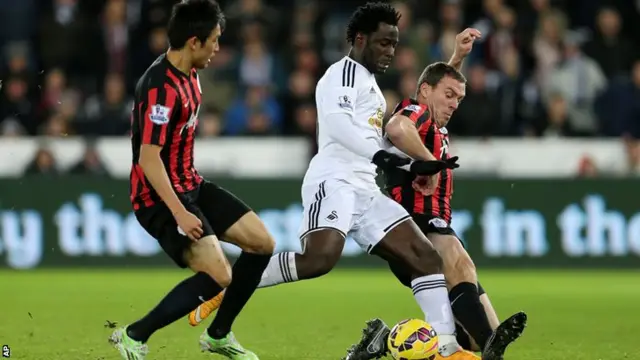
<point x="543" y="68"/>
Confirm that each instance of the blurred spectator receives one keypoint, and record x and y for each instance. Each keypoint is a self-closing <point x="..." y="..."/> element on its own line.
<point x="55" y="84"/>
<point x="306" y="116"/>
<point x="15" y="103"/>
<point x="392" y="98"/>
<point x="301" y="89"/>
<point x="558" y="122"/>
<point x="256" y="100"/>
<point x="587" y="168"/>
<point x="43" y="163"/>
<point x="55" y="126"/>
<point x="90" y="164"/>
<point x="17" y="20"/>
<point x="579" y="80"/>
<point x="257" y="66"/>
<point x="501" y="39"/>
<point x="108" y="113"/>
<point x="11" y="128"/>
<point x="609" y="48"/>
<point x="632" y="147"/>
<point x="479" y="113"/>
<point x="209" y="125"/>
<point x="619" y="107"/>
<point x="259" y="123"/>
<point x="116" y="35"/>
<point x="547" y="44"/>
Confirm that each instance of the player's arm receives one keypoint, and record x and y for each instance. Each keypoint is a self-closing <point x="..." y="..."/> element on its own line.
<point x="154" y="119"/>
<point x="338" y="102"/>
<point x="402" y="131"/>
<point x="464" y="44"/>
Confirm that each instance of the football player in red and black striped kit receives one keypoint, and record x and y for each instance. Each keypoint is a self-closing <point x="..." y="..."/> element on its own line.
<point x="185" y="213"/>
<point x="441" y="87"/>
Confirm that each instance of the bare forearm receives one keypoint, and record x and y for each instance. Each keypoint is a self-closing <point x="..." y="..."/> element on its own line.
<point x="407" y="139"/>
<point x="153" y="169"/>
<point x="456" y="62"/>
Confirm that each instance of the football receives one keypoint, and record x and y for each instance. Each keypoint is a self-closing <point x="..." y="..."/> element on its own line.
<point x="413" y="339"/>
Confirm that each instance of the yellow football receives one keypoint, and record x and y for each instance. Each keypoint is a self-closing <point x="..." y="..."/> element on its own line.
<point x="413" y="339"/>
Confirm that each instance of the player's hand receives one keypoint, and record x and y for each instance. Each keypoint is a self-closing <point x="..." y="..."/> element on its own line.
<point x="386" y="160"/>
<point x="452" y="163"/>
<point x="190" y="225"/>
<point x="426" y="185"/>
<point x="464" y="42"/>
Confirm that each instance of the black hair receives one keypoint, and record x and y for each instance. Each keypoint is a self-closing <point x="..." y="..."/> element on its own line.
<point x="433" y="73"/>
<point x="191" y="18"/>
<point x="367" y="18"/>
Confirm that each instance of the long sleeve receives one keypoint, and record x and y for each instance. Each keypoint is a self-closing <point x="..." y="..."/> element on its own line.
<point x="338" y="103"/>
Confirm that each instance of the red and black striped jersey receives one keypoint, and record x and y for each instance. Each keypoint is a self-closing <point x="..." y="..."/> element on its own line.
<point x="165" y="113"/>
<point x="398" y="182"/>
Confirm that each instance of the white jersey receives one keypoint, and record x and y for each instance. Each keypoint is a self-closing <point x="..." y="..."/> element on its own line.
<point x="347" y="87"/>
<point x="339" y="190"/>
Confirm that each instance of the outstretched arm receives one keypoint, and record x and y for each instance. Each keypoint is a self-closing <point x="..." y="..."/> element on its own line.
<point x="464" y="44"/>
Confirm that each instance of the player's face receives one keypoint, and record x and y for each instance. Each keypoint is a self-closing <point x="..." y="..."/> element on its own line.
<point x="204" y="52"/>
<point x="381" y="48"/>
<point x="444" y="98"/>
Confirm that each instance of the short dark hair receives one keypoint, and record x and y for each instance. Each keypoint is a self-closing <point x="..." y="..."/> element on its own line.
<point x="367" y="18"/>
<point x="433" y="73"/>
<point x="191" y="18"/>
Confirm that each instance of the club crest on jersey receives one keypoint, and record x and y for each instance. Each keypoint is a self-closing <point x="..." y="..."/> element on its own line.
<point x="345" y="102"/>
<point x="438" y="223"/>
<point x="193" y="121"/>
<point x="377" y="119"/>
<point x="159" y="114"/>
<point x="414" y="108"/>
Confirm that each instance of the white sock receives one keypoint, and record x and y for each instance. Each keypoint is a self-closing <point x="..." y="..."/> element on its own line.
<point x="431" y="294"/>
<point x="281" y="269"/>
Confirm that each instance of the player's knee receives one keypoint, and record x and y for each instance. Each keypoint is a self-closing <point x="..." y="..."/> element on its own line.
<point x="222" y="277"/>
<point x="264" y="244"/>
<point x="322" y="263"/>
<point x="220" y="273"/>
<point x="464" y="269"/>
<point x="458" y="265"/>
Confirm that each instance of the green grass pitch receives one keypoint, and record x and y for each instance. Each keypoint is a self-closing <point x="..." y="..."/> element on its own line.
<point x="60" y="315"/>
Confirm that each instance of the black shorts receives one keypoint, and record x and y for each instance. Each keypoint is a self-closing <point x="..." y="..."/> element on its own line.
<point x="429" y="224"/>
<point x="217" y="208"/>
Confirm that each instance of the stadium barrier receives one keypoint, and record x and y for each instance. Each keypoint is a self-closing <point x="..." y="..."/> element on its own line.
<point x="83" y="221"/>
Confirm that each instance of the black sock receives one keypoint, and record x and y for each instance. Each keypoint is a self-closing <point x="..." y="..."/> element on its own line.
<point x="247" y="272"/>
<point x="468" y="309"/>
<point x="463" y="337"/>
<point x="181" y="300"/>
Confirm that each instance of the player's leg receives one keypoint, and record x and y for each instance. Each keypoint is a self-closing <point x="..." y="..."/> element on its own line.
<point x="460" y="272"/>
<point x="494" y="321"/>
<point x="399" y="240"/>
<point x="236" y="223"/>
<point x="464" y="339"/>
<point x="328" y="209"/>
<point x="204" y="257"/>
<point x="462" y="279"/>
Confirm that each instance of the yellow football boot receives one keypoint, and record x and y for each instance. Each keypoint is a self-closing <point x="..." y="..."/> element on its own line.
<point x="205" y="309"/>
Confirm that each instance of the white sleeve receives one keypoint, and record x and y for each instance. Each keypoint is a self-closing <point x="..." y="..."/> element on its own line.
<point x="338" y="104"/>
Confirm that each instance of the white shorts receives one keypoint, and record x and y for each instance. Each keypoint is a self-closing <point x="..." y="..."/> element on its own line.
<point x="365" y="215"/>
